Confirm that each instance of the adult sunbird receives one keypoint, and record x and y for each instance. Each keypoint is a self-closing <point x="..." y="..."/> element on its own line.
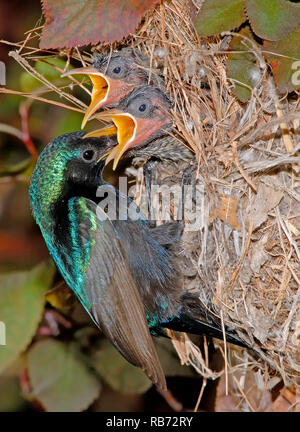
<point x="121" y="269"/>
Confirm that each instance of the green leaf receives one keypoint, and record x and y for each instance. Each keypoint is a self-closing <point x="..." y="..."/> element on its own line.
<point x="10" y="395"/>
<point x="60" y="376"/>
<point x="117" y="372"/>
<point x="22" y="298"/>
<point x="45" y="68"/>
<point x="71" y="23"/>
<point x="11" y="163"/>
<point x="285" y="65"/>
<point x="273" y="19"/>
<point x="216" y="16"/>
<point x="241" y="66"/>
<point x="29" y="83"/>
<point x="68" y="122"/>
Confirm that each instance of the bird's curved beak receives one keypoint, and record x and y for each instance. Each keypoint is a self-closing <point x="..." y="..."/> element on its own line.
<point x="131" y="131"/>
<point x="105" y="89"/>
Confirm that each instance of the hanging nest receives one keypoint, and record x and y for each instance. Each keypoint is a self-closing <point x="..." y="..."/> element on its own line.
<point x="244" y="255"/>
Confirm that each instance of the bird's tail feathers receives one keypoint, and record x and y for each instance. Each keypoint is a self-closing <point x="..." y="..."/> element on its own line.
<point x="196" y="319"/>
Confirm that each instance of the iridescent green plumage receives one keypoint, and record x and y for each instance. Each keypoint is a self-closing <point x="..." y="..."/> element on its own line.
<point x="47" y="184"/>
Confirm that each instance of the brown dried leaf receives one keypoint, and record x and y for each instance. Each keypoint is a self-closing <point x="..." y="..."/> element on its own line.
<point x="246" y="392"/>
<point x="260" y="322"/>
<point x="266" y="199"/>
<point x="227" y="211"/>
<point x="287" y="401"/>
<point x="71" y="23"/>
<point x="258" y="255"/>
<point x="223" y="402"/>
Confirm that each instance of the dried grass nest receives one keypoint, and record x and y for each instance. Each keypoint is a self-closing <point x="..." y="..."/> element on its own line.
<point x="245" y="255"/>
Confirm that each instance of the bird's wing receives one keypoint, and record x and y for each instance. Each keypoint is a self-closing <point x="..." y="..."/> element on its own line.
<point x="114" y="301"/>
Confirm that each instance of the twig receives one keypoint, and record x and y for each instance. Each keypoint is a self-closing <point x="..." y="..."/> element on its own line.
<point x="240" y="168"/>
<point x="24" y="112"/>
<point x="32" y="96"/>
<point x="204" y="382"/>
<point x="225" y="352"/>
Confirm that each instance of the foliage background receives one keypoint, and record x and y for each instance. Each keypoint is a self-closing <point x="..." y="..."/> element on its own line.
<point x="26" y="274"/>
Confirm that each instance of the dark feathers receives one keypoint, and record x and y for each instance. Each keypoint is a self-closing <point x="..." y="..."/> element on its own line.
<point x="122" y="269"/>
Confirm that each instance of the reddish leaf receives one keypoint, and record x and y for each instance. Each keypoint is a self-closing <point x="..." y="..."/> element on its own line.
<point x="284" y="57"/>
<point x="19" y="248"/>
<point x="71" y="23"/>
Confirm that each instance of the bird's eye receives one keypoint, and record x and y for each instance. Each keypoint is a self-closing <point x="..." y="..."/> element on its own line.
<point x="88" y="155"/>
<point x="117" y="70"/>
<point x="142" y="107"/>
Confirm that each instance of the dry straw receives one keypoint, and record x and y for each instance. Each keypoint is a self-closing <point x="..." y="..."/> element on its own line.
<point x="246" y="254"/>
